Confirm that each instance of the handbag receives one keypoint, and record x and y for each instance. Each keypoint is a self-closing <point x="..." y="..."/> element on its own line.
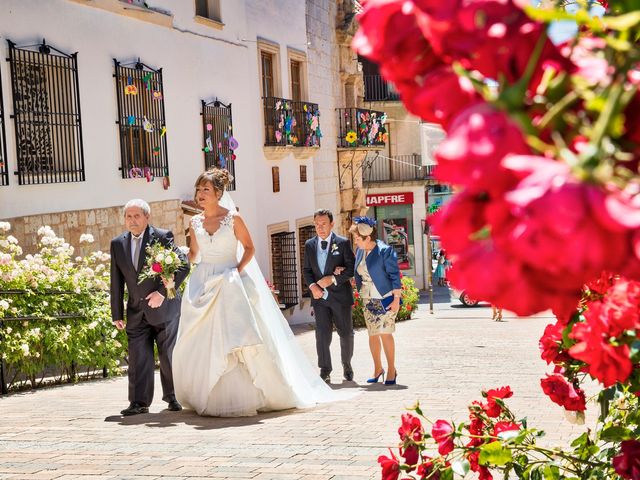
<point x="380" y="306"/>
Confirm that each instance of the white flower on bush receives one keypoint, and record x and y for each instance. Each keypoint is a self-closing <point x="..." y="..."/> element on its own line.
<point x="37" y="354"/>
<point x="25" y="349"/>
<point x="5" y="226"/>
<point x="78" y="259"/>
<point x="45" y="303"/>
<point x="92" y="325"/>
<point x="46" y="241"/>
<point x="117" y="344"/>
<point x="4" y="305"/>
<point x="5" y="259"/>
<point x="35" y="332"/>
<point x="114" y="334"/>
<point x="4" y="243"/>
<point x="98" y="343"/>
<point x="46" y="231"/>
<point x="65" y="336"/>
<point x="9" y="330"/>
<point x="86" y="238"/>
<point x="12" y="239"/>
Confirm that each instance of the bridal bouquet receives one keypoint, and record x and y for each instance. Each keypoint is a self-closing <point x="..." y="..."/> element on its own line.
<point x="161" y="262"/>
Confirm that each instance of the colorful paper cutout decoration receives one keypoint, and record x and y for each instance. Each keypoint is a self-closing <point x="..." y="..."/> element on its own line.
<point x="209" y="144"/>
<point x="233" y="143"/>
<point x="157" y="95"/>
<point x="135" y="172"/>
<point x="147" y="125"/>
<point x="351" y="137"/>
<point x="156" y="151"/>
<point x="163" y="131"/>
<point x="148" y="175"/>
<point x="233" y="156"/>
<point x="225" y="134"/>
<point x="209" y="127"/>
<point x="278" y="135"/>
<point x="223" y="161"/>
<point x="305" y="107"/>
<point x="278" y="104"/>
<point x="147" y="79"/>
<point x="130" y="89"/>
<point x="131" y="120"/>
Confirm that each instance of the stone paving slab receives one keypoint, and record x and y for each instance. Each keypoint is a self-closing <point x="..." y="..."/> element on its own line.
<point x="444" y="360"/>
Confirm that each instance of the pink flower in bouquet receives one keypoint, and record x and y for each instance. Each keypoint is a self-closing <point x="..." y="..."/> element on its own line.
<point x="390" y="466"/>
<point x="156" y="267"/>
<point x="411" y="455"/>
<point x="492" y="408"/>
<point x="440" y="96"/>
<point x="627" y="463"/>
<point x="560" y="391"/>
<point x="607" y="363"/>
<point x="411" y="428"/>
<point x="442" y="433"/>
<point x="479" y="138"/>
<point x="390" y="36"/>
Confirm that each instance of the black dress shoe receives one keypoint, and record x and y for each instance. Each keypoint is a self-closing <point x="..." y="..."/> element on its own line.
<point x="348" y="376"/>
<point x="174" y="406"/>
<point x="134" y="409"/>
<point x="326" y="377"/>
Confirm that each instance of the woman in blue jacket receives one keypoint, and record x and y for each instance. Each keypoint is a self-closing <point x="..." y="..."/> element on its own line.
<point x="378" y="280"/>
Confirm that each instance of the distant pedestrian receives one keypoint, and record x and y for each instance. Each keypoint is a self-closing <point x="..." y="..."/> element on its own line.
<point x="440" y="275"/>
<point x="496" y="313"/>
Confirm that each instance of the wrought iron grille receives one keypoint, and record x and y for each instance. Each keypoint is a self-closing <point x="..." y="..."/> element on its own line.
<point x="358" y="127"/>
<point x="400" y="168"/>
<point x="46" y="107"/>
<point x="289" y="123"/>
<point x="376" y="89"/>
<point x="218" y="141"/>
<point x="304" y="234"/>
<point x="141" y="117"/>
<point x="4" y="168"/>
<point x="285" y="275"/>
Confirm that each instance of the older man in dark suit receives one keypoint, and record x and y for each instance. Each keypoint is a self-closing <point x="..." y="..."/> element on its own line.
<point x="150" y="316"/>
<point x="332" y="294"/>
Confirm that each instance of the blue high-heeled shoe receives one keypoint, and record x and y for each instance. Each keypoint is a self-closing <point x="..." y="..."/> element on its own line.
<point x="375" y="379"/>
<point x="392" y="382"/>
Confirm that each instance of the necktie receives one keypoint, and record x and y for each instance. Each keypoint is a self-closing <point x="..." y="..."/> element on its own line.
<point x="323" y="244"/>
<point x="136" y="251"/>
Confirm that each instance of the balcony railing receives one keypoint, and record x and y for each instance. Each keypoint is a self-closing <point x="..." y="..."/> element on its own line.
<point x="376" y="89"/>
<point x="289" y="123"/>
<point x="358" y="127"/>
<point x="396" y="169"/>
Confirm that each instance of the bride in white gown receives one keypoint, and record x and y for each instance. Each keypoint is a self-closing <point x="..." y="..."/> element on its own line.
<point x="235" y="354"/>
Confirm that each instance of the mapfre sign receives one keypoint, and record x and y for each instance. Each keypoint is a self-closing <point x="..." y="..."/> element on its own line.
<point x="389" y="199"/>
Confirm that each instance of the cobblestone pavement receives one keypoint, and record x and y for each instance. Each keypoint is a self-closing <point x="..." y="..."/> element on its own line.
<point x="444" y="360"/>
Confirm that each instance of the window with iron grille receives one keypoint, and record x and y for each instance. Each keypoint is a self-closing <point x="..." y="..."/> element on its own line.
<point x="141" y="118"/>
<point x="296" y="82"/>
<point x="267" y="74"/>
<point x="303" y="173"/>
<point x="217" y="128"/>
<point x="46" y="106"/>
<point x="283" y="260"/>
<point x="304" y="234"/>
<point x="4" y="168"/>
<point x="275" y="178"/>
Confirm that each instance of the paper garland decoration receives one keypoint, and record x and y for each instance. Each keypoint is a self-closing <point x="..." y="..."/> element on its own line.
<point x="233" y="143"/>
<point x="209" y="127"/>
<point x="131" y="120"/>
<point x="130" y="89"/>
<point x="157" y="95"/>
<point x="163" y="131"/>
<point x="147" y="125"/>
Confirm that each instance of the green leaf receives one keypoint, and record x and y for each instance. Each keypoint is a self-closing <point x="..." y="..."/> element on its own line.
<point x="622" y="22"/>
<point x="461" y="467"/>
<point x="551" y="472"/>
<point x="615" y="434"/>
<point x="495" y="453"/>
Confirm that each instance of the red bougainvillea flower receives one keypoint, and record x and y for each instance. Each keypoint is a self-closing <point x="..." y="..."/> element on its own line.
<point x="156" y="267"/>
<point x="500" y="427"/>
<point x="608" y="363"/>
<point x="411" y="428"/>
<point x="492" y="408"/>
<point x="563" y="393"/>
<point x="442" y="433"/>
<point x="627" y="463"/>
<point x="411" y="455"/>
<point x="389" y="35"/>
<point x="479" y="138"/>
<point x="483" y="472"/>
<point x="390" y="466"/>
<point x="427" y="470"/>
<point x="550" y="344"/>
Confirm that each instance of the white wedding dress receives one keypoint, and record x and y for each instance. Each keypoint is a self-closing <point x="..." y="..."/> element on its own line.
<point x="235" y="354"/>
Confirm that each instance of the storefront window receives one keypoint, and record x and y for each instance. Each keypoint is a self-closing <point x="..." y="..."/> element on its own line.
<point x="395" y="227"/>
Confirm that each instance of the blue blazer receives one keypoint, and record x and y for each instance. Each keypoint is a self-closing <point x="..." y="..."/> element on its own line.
<point x="382" y="264"/>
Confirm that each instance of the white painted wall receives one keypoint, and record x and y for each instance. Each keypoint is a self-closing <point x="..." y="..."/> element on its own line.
<point x="199" y="62"/>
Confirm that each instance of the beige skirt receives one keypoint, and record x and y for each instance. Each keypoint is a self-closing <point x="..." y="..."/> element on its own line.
<point x="378" y="322"/>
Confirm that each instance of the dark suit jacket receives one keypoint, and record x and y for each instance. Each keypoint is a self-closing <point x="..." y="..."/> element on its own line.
<point x="340" y="255"/>
<point x="124" y="273"/>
